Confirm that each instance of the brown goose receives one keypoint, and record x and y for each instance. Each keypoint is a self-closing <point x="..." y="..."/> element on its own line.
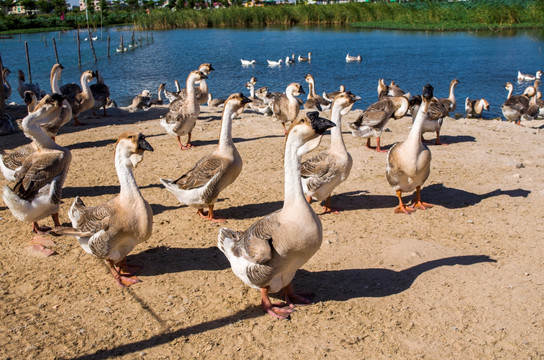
<point x="409" y="162"/>
<point x="286" y="107"/>
<point x="202" y="91"/>
<point x="314" y="101"/>
<point x="181" y="117"/>
<point x="37" y="191"/>
<point x="201" y="185"/>
<point x="101" y="93"/>
<point x="111" y="230"/>
<point x="267" y="255"/>
<point x="80" y="101"/>
<point x="322" y="173"/>
<point x="515" y="106"/>
<point x="330" y="96"/>
<point x="475" y="107"/>
<point x="372" y="121"/>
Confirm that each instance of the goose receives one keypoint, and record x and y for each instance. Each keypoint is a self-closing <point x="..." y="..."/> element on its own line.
<point x="286" y="107"/>
<point x="111" y="230"/>
<point x="330" y="96"/>
<point x="201" y="185"/>
<point x="80" y="101"/>
<point x="302" y="58"/>
<point x="390" y="90"/>
<point x="475" y="107"/>
<point x="142" y="100"/>
<point x="409" y="162"/>
<point x="7" y="86"/>
<point x="539" y="101"/>
<point x="247" y="62"/>
<point x="6" y="126"/>
<point x="314" y="101"/>
<point x="322" y="173"/>
<point x="22" y="87"/>
<point x="121" y="49"/>
<point x="212" y="102"/>
<point x="101" y="92"/>
<point x="372" y="121"/>
<point x="52" y="127"/>
<point x="171" y="95"/>
<point x="267" y="255"/>
<point x="181" y="118"/>
<point x="450" y="103"/>
<point x="202" y="91"/>
<point x="274" y="63"/>
<point x="289" y="60"/>
<point x="528" y="77"/>
<point x="263" y="94"/>
<point x="353" y="58"/>
<point x="515" y="106"/>
<point x="433" y="123"/>
<point x="37" y="191"/>
<point x="158" y="100"/>
<point x="257" y="104"/>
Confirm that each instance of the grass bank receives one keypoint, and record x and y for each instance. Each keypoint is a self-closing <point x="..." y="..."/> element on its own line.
<point x="469" y="15"/>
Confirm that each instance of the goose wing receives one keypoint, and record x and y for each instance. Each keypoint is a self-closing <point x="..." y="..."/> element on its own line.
<point x="14" y="159"/>
<point x="203" y="171"/>
<point x="37" y="171"/>
<point x="91" y="219"/>
<point x="317" y="170"/>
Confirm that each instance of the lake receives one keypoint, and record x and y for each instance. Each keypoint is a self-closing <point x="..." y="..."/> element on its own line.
<point x="482" y="61"/>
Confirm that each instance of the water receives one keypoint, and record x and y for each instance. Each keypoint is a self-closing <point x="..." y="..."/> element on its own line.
<point x="483" y="62"/>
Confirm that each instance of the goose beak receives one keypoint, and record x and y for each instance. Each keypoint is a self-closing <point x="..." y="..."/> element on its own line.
<point x="246" y="100"/>
<point x="301" y="90"/>
<point x="320" y="125"/>
<point x="203" y="77"/>
<point x="143" y="144"/>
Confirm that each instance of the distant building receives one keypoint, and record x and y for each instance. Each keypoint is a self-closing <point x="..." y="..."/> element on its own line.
<point x="20" y="10"/>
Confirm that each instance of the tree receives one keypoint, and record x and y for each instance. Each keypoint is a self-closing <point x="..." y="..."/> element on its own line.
<point x="45" y="6"/>
<point x="133" y="4"/>
<point x="90" y="5"/>
<point x="104" y="6"/>
<point x="28" y="4"/>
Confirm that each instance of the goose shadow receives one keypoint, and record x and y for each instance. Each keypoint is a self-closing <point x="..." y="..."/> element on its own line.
<point x="449" y="139"/>
<point x="452" y="198"/>
<point x="359" y="200"/>
<point x="90" y="191"/>
<point x="249" y="211"/>
<point x="159" y="208"/>
<point x="343" y="285"/>
<point x="167" y="260"/>
<point x="90" y="144"/>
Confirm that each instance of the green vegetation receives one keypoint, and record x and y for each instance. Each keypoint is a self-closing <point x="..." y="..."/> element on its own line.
<point x="414" y="15"/>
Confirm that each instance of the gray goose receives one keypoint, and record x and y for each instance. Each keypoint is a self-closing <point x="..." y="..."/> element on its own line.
<point x="372" y="121"/>
<point x="182" y="115"/>
<point x="409" y="162"/>
<point x="201" y="185"/>
<point x="37" y="191"/>
<point x="322" y="173"/>
<point x="314" y="101"/>
<point x="267" y="255"/>
<point x="101" y="93"/>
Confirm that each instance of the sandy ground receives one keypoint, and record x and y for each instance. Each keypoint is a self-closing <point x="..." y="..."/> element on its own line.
<point x="463" y="280"/>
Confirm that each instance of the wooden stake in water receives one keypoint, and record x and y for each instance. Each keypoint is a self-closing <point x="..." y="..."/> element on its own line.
<point x="146" y="39"/>
<point x="45" y="39"/>
<point x="2" y="102"/>
<point x="108" y="45"/>
<point x="56" y="53"/>
<point x="78" y="49"/>
<point x="133" y="39"/>
<point x="122" y="46"/>
<point x="91" y="41"/>
<point x="28" y="63"/>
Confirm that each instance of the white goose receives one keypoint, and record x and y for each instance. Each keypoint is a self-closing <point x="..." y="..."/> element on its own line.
<point x="409" y="162"/>
<point x="181" y="118"/>
<point x="111" y="230"/>
<point x="247" y="62"/>
<point x="267" y="255"/>
<point x="274" y="63"/>
<point x="350" y="58"/>
<point x="256" y="104"/>
<point x="528" y="77"/>
<point x="322" y="173"/>
<point x="37" y="191"/>
<point x="201" y="185"/>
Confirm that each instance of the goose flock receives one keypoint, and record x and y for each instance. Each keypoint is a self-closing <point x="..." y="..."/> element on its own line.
<point x="267" y="255"/>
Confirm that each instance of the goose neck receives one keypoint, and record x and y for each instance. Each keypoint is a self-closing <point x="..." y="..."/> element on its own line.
<point x="252" y="91"/>
<point x="452" y="92"/>
<point x="123" y="166"/>
<point x="55" y="78"/>
<point x="510" y="90"/>
<point x="225" y="137"/>
<point x="85" y="85"/>
<point x="417" y="127"/>
<point x="294" y="194"/>
<point x="337" y="141"/>
<point x="32" y="129"/>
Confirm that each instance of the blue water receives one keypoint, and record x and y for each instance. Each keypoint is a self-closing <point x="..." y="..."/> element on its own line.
<point x="483" y="62"/>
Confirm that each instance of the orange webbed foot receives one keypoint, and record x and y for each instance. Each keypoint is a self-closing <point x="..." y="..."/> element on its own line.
<point x="404" y="209"/>
<point x="422" y="205"/>
<point x="278" y="311"/>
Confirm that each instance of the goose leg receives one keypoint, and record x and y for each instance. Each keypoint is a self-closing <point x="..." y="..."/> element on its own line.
<point x="40" y="229"/>
<point x="418" y="204"/>
<point x="378" y="145"/>
<point x="292" y="299"/>
<point x="279" y="311"/>
<point x="56" y="220"/>
<point x="126" y="269"/>
<point x="122" y="280"/>
<point x="76" y="121"/>
<point x="284" y="128"/>
<point x="437" y="142"/>
<point x="402" y="208"/>
<point x="327" y="207"/>
<point x="368" y="144"/>
<point x="309" y="199"/>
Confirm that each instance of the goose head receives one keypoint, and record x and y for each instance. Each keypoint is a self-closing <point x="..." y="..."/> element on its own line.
<point x="145" y="93"/>
<point x="261" y="92"/>
<point x="295" y="89"/>
<point x="345" y="99"/>
<point x="47" y="105"/>
<point x="205" y="68"/>
<point x="6" y="73"/>
<point x="131" y="145"/>
<point x="309" y="79"/>
<point x="508" y="86"/>
<point x="530" y="91"/>
<point x="197" y="75"/>
<point x="485" y="104"/>
<point x="426" y="97"/>
<point x="308" y="126"/>
<point x="454" y="82"/>
<point x="381" y="86"/>
<point x="538" y="74"/>
<point x="342" y="87"/>
<point x="57" y="68"/>
<point x="30" y="100"/>
<point x="88" y="76"/>
<point x="253" y="80"/>
<point x="236" y="102"/>
<point x="161" y="87"/>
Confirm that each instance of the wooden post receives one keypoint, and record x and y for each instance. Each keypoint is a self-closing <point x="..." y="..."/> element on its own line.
<point x="147" y="39"/>
<point x="19" y="37"/>
<point x="2" y="95"/>
<point x="28" y="64"/>
<point x="59" y="35"/>
<point x="45" y="39"/>
<point x="56" y="53"/>
<point x="152" y="38"/>
<point x="108" y="45"/>
<point x="132" y="39"/>
<point x="78" y="49"/>
<point x="122" y="46"/>
<point x="91" y="41"/>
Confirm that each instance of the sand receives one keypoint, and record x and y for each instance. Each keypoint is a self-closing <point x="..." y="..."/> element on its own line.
<point x="462" y="280"/>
